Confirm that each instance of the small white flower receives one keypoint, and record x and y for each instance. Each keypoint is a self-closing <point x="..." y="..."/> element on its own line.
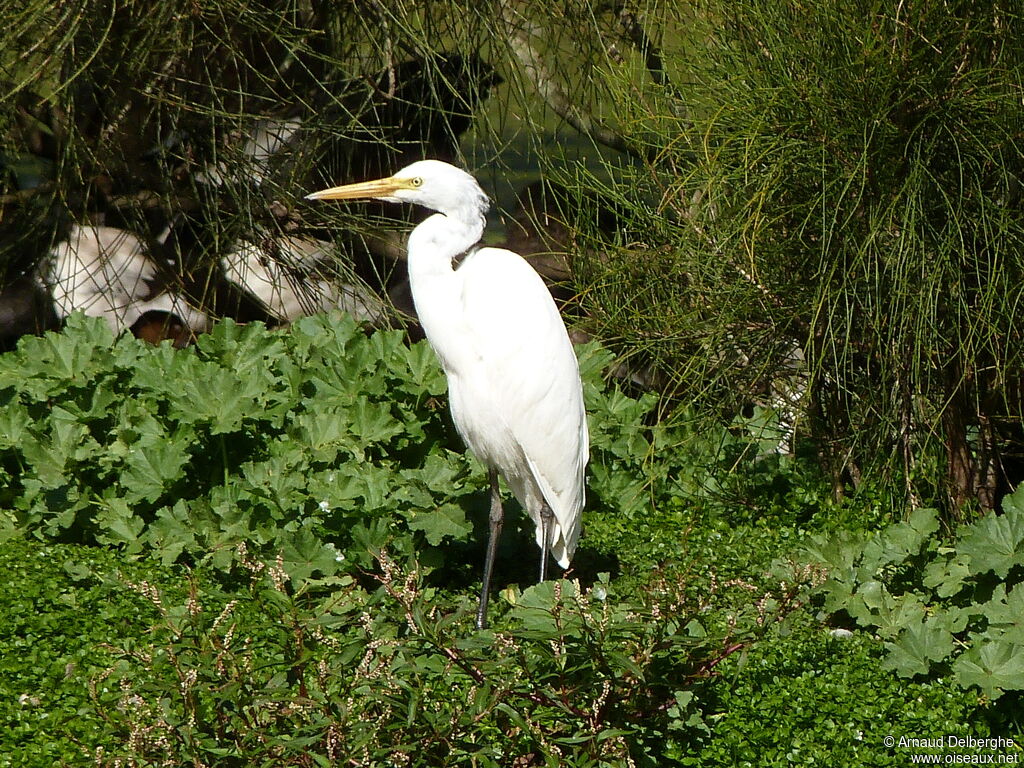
<point x="324" y="506"/>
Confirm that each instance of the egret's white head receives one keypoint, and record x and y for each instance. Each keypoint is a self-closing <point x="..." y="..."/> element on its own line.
<point x="430" y="183"/>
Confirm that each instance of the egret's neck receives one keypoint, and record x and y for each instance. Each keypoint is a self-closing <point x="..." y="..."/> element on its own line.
<point x="442" y="237"/>
<point x="436" y="286"/>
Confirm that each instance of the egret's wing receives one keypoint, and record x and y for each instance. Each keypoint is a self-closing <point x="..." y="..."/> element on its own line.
<point x="531" y="369"/>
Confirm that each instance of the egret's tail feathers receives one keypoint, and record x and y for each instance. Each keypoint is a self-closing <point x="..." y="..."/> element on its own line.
<point x="562" y="546"/>
<point x="533" y="491"/>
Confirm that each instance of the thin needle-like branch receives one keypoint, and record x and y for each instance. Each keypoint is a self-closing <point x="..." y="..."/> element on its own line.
<point x="520" y="34"/>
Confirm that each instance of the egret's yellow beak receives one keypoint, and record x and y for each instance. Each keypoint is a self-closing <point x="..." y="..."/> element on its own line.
<point x="364" y="190"/>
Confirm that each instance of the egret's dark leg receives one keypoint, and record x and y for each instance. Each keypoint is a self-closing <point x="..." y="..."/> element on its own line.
<point x="546" y="518"/>
<point x="496" y="517"/>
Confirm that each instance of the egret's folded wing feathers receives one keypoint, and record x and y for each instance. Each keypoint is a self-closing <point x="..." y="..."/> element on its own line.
<point x="535" y="378"/>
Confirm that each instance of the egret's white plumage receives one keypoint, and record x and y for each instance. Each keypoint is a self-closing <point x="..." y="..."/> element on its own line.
<point x="513" y="378"/>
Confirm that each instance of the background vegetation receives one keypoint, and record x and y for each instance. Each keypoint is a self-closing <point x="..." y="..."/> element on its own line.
<point x="794" y="228"/>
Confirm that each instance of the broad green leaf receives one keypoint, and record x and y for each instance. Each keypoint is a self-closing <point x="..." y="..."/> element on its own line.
<point x="279" y="480"/>
<point x="424" y="370"/>
<point x="996" y="542"/>
<point x="150" y="469"/>
<point x="1005" y="613"/>
<point x="838" y="553"/>
<point x="305" y="554"/>
<point x="441" y="476"/>
<point x="171" y="532"/>
<point x="918" y="645"/>
<point x="246" y="349"/>
<point x="947" y="574"/>
<point x="49" y="455"/>
<point x="14" y="424"/>
<point x="900" y="540"/>
<point x="118" y="524"/>
<point x="448" y="520"/>
<point x="221" y="397"/>
<point x="373" y="422"/>
<point x="547" y="607"/>
<point x="994" y="666"/>
<point x="873" y="605"/>
<point x="324" y="432"/>
<point x="370" y="484"/>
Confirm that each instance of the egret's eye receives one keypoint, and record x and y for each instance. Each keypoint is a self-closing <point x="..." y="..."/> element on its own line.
<point x="416" y="181"/>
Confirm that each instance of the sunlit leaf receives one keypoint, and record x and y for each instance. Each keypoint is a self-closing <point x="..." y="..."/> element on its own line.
<point x="994" y="666"/>
<point x="996" y="542"/>
<point x="445" y="521"/>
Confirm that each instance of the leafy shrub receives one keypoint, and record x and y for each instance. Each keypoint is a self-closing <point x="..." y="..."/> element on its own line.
<point x="396" y="675"/>
<point x="284" y="440"/>
<point x="320" y="442"/>
<point x="956" y="608"/>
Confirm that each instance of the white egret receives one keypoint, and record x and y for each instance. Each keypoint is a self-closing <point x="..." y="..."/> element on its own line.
<point x="513" y="379"/>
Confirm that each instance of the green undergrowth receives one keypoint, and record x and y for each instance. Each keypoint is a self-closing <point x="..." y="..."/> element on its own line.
<point x="101" y="659"/>
<point x="954" y="607"/>
<point x="63" y="610"/>
<point x="265" y="551"/>
<point x="815" y="698"/>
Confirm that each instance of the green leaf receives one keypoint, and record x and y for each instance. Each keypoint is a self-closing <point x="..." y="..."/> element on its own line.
<point x="118" y="524"/>
<point x="424" y="371"/>
<point x="14" y="424"/>
<point x="50" y="455"/>
<point x="900" y="540"/>
<point x="447" y="521"/>
<point x="873" y="605"/>
<point x="994" y="666"/>
<point x="171" y="532"/>
<point x="996" y="542"/>
<point x="838" y="553"/>
<point x="324" y="432"/>
<point x="540" y="607"/>
<point x="150" y="469"/>
<point x="1005" y="613"/>
<point x="947" y="574"/>
<point x="373" y="422"/>
<point x="917" y="646"/>
<point x="221" y="397"/>
<point x="305" y="554"/>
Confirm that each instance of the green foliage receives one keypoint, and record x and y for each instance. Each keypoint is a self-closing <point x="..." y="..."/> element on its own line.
<point x="955" y="608"/>
<point x="394" y="675"/>
<point x="356" y="641"/>
<point x="286" y="441"/>
<point x="810" y="698"/>
<point x="842" y="179"/>
<point x="63" y="610"/>
<point x="318" y="442"/>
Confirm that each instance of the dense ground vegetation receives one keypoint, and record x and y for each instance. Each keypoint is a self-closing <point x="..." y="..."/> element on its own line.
<point x="795" y="231"/>
<point x="274" y="592"/>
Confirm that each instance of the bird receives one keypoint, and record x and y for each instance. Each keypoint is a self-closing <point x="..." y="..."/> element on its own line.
<point x="514" y="385"/>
